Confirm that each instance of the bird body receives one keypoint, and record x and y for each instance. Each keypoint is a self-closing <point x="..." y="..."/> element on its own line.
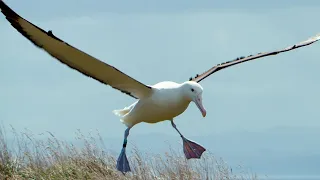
<point x="167" y="101"/>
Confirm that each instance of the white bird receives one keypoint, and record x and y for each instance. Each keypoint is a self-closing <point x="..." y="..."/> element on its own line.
<point x="160" y="102"/>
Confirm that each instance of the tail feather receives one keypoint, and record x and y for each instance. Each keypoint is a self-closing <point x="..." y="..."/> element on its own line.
<point x="121" y="112"/>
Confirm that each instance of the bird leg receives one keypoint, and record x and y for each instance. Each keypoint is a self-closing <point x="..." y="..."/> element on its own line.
<point x="190" y="148"/>
<point x="122" y="162"/>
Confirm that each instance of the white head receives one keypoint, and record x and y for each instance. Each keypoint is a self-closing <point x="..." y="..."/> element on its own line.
<point x="192" y="91"/>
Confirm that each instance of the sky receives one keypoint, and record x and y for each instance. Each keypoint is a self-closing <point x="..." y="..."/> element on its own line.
<point x="167" y="42"/>
<point x="154" y="41"/>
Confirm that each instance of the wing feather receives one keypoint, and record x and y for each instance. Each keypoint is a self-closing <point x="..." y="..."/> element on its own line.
<point x="75" y="58"/>
<point x="227" y="64"/>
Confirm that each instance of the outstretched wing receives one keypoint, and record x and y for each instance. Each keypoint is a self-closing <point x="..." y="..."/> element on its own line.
<point x="239" y="60"/>
<point x="75" y="58"/>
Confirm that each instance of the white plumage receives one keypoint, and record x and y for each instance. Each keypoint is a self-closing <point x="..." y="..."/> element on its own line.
<point x="168" y="100"/>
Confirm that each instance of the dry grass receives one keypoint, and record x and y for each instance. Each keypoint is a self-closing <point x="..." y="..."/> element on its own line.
<point x="54" y="159"/>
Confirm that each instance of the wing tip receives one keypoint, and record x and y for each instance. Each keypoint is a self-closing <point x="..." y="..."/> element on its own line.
<point x="311" y="39"/>
<point x="11" y="16"/>
<point x="314" y="38"/>
<point x="14" y="18"/>
<point x="317" y="37"/>
<point x="8" y="12"/>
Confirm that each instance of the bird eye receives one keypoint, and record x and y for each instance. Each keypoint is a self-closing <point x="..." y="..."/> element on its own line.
<point x="192" y="89"/>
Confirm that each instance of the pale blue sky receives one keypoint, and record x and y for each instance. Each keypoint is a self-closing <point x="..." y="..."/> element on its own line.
<point x="152" y="42"/>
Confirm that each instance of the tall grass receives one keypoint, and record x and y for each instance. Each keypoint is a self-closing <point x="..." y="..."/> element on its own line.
<point x="50" y="158"/>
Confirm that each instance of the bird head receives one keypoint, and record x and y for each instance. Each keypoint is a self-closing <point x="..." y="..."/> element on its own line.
<point x="192" y="91"/>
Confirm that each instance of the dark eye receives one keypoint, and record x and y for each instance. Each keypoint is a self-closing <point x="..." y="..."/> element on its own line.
<point x="192" y="89"/>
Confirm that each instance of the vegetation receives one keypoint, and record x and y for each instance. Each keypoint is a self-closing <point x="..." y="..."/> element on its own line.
<point x="30" y="158"/>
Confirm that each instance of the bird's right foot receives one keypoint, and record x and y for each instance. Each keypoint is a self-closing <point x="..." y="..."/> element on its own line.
<point x="122" y="162"/>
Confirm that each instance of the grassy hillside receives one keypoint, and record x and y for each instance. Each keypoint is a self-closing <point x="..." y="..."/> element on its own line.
<point x="50" y="158"/>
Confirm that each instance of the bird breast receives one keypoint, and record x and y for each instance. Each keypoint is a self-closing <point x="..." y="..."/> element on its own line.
<point x="163" y="105"/>
<point x="166" y="104"/>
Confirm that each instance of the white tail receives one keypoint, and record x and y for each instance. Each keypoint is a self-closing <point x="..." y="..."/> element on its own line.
<point x="121" y="112"/>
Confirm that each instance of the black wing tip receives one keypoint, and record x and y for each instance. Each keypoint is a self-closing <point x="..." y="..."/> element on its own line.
<point x="8" y="12"/>
<point x="13" y="18"/>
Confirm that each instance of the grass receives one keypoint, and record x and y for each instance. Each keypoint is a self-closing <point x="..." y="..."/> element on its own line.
<point x="50" y="158"/>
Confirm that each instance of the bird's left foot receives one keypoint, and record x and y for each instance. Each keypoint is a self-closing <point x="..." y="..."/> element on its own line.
<point x="192" y="149"/>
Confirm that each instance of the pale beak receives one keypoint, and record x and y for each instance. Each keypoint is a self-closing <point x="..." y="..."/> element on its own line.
<point x="198" y="102"/>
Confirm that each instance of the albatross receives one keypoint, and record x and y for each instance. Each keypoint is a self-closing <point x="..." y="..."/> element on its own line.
<point x="162" y="101"/>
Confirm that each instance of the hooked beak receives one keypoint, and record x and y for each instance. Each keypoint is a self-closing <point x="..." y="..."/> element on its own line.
<point x="198" y="102"/>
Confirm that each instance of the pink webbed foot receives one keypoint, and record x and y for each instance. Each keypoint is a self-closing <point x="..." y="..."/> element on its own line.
<point x="192" y="149"/>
